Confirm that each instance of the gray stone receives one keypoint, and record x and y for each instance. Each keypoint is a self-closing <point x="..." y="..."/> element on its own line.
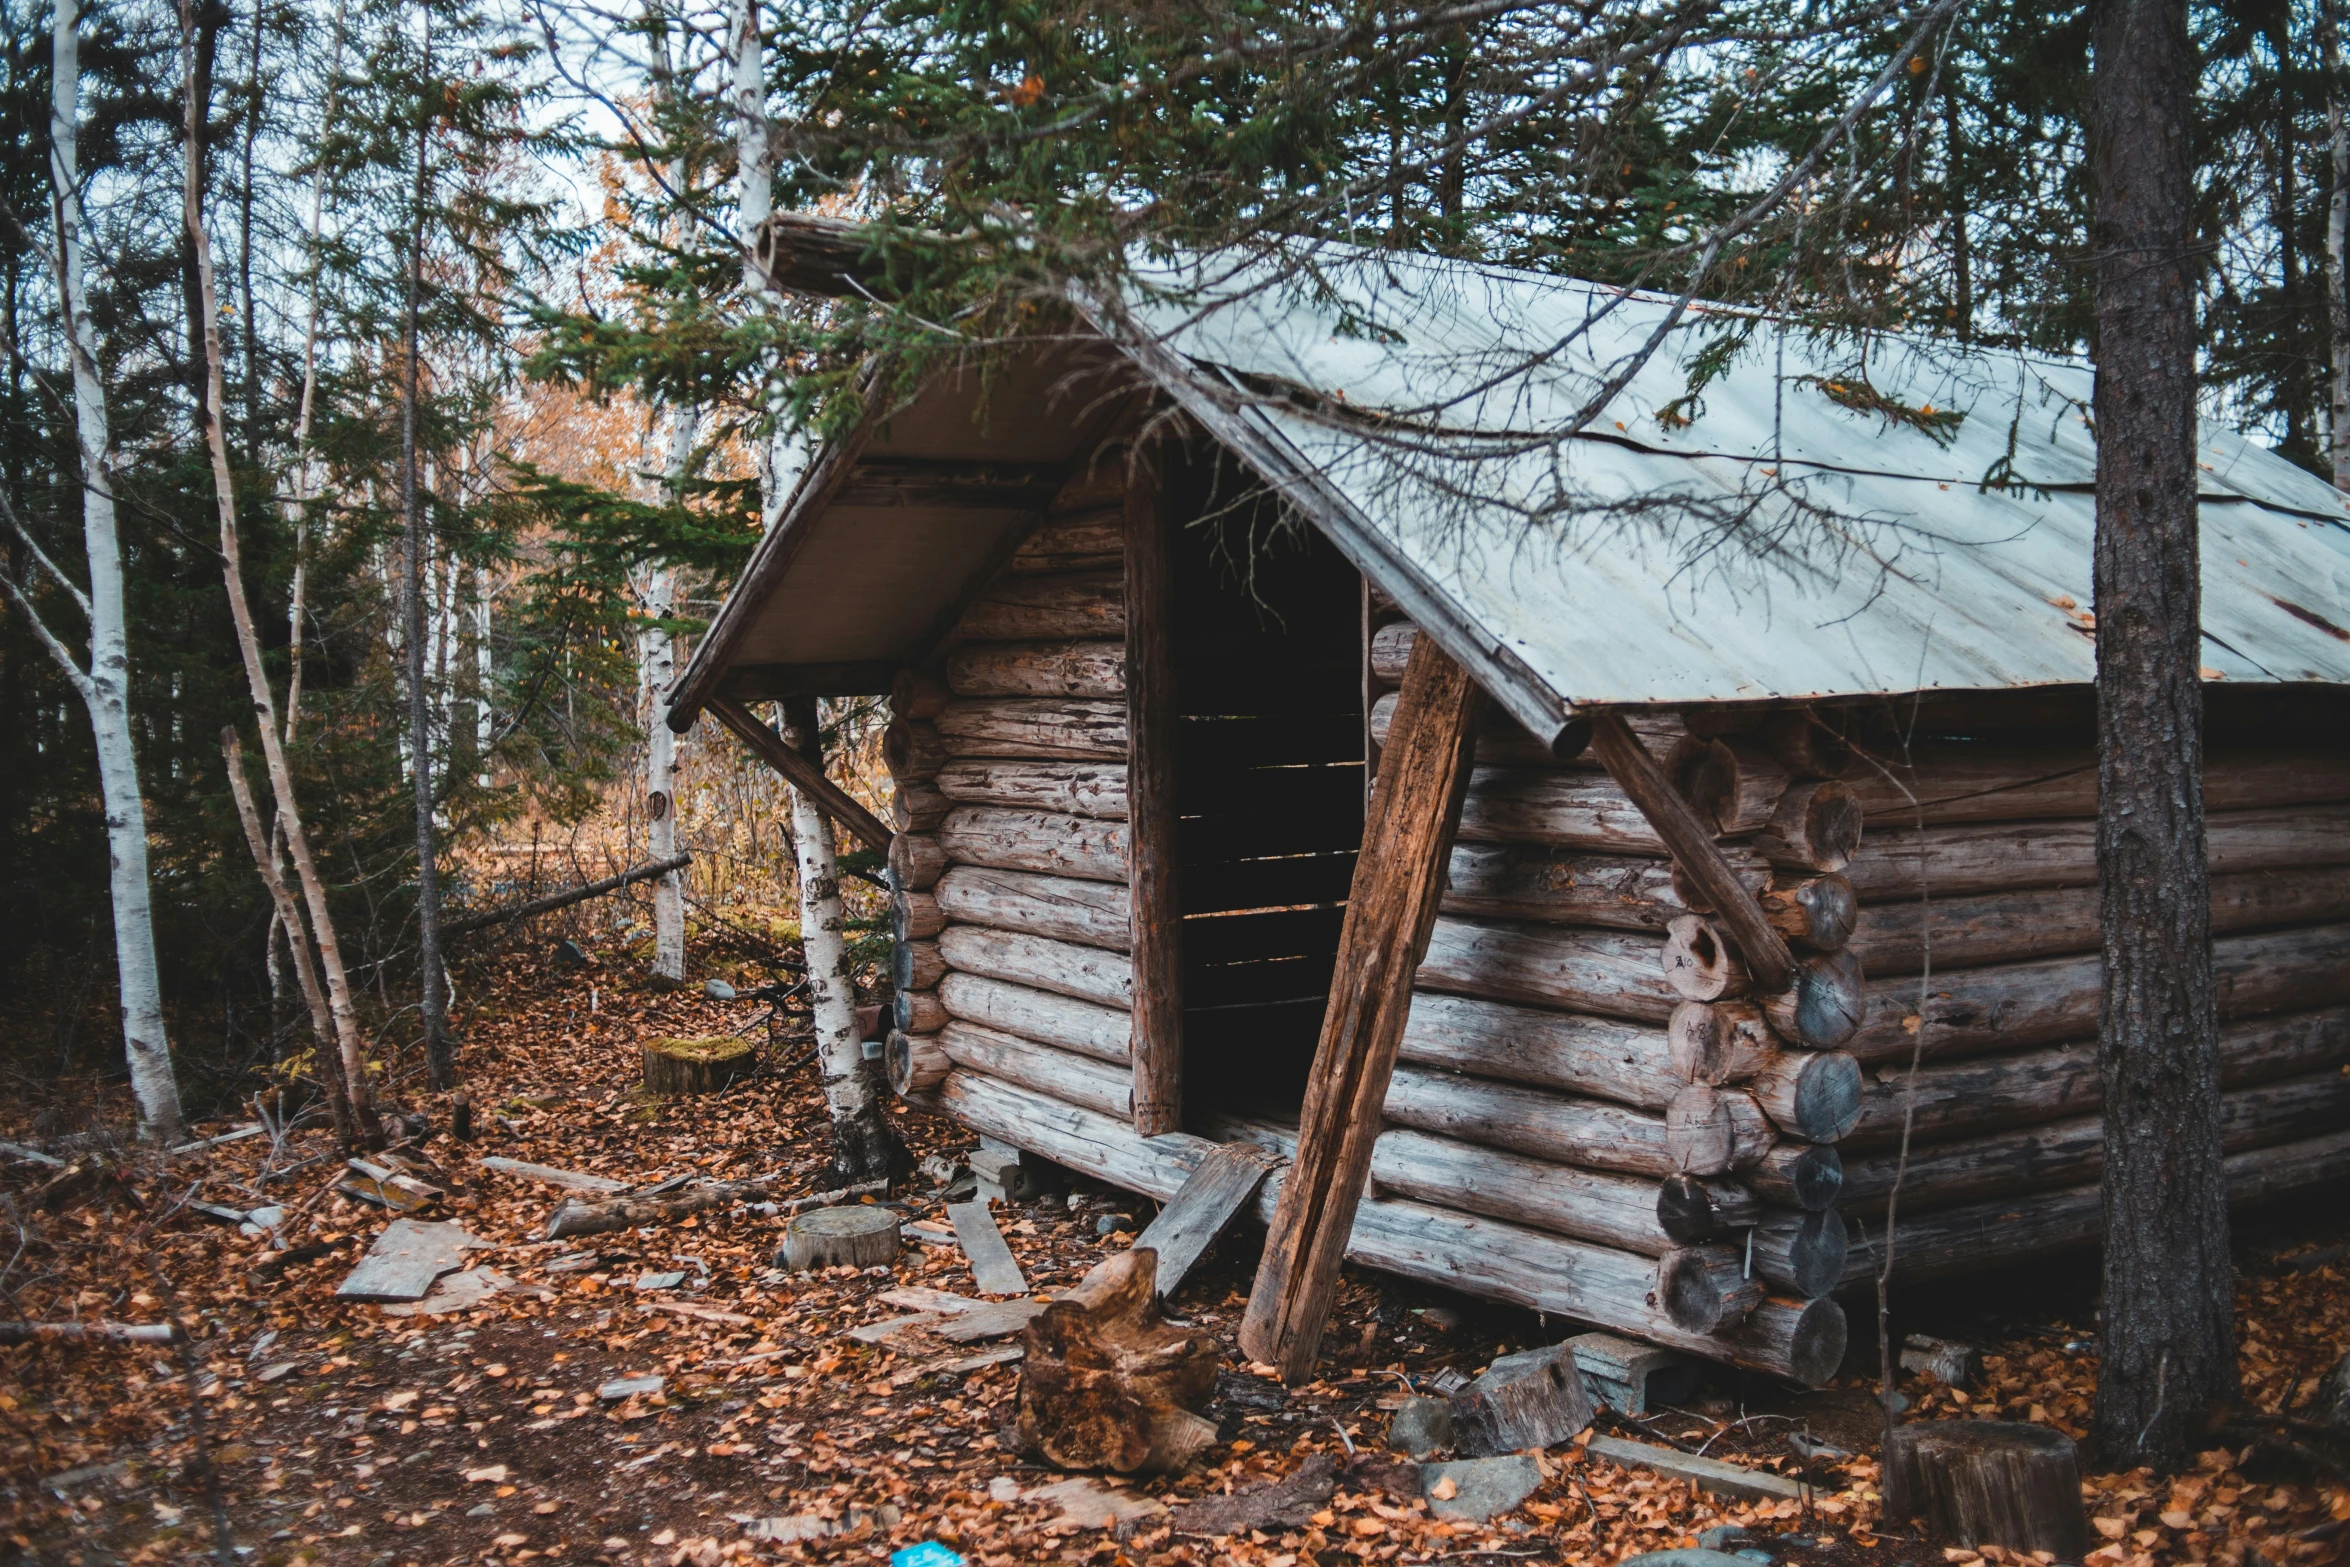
<point x="1421" y="1426"/>
<point x="717" y="990"/>
<point x="1724" y="1537"/>
<point x="1483" y="1487"/>
<point x="1112" y="1223"/>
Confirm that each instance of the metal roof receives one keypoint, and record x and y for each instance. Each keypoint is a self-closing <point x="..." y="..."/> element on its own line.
<point x="1778" y="544"/>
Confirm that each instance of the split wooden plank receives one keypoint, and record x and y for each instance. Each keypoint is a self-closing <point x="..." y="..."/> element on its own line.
<point x="1693" y="848"/>
<point x="1151" y="725"/>
<point x="992" y="1266"/>
<point x="548" y="1175"/>
<point x="1221" y="1185"/>
<point x="406" y="1259"/>
<point x="1407" y="843"/>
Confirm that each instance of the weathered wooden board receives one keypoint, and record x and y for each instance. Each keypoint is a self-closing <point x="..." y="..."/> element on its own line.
<point x="1211" y="1195"/>
<point x="992" y="1266"/>
<point x="405" y="1260"/>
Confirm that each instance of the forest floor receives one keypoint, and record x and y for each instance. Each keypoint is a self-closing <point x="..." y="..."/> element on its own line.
<point x="295" y="1428"/>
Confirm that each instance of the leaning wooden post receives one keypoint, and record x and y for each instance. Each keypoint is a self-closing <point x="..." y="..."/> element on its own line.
<point x="1415" y="807"/>
<point x="1157" y="915"/>
<point x="802" y="774"/>
<point x="1636" y="772"/>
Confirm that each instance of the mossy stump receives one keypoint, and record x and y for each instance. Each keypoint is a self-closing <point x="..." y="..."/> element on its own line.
<point x="696" y="1066"/>
<point x="857" y="1235"/>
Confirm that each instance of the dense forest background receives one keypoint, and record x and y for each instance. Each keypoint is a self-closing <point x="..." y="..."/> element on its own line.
<point x="492" y="374"/>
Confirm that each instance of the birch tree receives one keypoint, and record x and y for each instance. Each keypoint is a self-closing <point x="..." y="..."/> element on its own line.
<point x="104" y="686"/>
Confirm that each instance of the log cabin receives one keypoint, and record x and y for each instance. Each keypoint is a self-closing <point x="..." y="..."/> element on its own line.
<point x="1586" y="858"/>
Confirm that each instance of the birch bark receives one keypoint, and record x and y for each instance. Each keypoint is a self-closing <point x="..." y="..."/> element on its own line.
<point x="105" y="689"/>
<point x="342" y="1012"/>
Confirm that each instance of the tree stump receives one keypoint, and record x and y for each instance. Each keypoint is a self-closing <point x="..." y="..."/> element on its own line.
<point x="1531" y="1399"/>
<point x="854" y="1235"/>
<point x="1989" y="1482"/>
<point x="1107" y="1384"/>
<point x="696" y="1066"/>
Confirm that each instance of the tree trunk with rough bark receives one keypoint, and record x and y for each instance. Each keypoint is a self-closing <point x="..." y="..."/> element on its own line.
<point x="2167" y="1351"/>
<point x="2337" y="244"/>
<point x="864" y="1145"/>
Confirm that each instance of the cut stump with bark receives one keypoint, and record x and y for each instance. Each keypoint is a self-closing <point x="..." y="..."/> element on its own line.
<point x="1107" y="1384"/>
<point x="1989" y="1482"/>
<point x="855" y="1236"/>
<point x="1531" y="1399"/>
<point x="696" y="1066"/>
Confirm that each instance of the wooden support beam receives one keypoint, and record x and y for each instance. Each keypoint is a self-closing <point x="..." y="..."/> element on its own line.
<point x="802" y="774"/>
<point x="1157" y="913"/>
<point x="1415" y="807"/>
<point x="1636" y="772"/>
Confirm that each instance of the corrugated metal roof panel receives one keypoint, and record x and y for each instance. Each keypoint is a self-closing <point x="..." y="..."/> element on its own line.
<point x="1779" y="545"/>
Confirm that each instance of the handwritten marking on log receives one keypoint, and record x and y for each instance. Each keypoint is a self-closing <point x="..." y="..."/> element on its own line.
<point x="992" y="1266"/>
<point x="1219" y="1188"/>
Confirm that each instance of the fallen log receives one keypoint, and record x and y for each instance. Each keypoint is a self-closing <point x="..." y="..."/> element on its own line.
<point x="1104" y="1033"/>
<point x="1038" y="669"/>
<point x="2011" y="1006"/>
<point x="465" y="924"/>
<point x="1023" y="727"/>
<point x="1035" y="841"/>
<point x="1090" y="789"/>
<point x="1093" y="913"/>
<point x="580" y="1216"/>
<point x="1630" y="1063"/>
<point x="1613" y="973"/>
<point x="1084" y="973"/>
<point x="1986" y="1094"/>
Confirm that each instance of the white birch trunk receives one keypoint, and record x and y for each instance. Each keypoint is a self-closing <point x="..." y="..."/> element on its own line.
<point x="281" y="782"/>
<point x="860" y="1138"/>
<point x="106" y="688"/>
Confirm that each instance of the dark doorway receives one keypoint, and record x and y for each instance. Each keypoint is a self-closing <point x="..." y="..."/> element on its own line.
<point x="1269" y="784"/>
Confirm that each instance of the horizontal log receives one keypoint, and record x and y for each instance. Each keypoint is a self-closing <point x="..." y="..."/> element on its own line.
<point x="2009" y="1007"/>
<point x="1588" y="1133"/>
<point x="1079" y="541"/>
<point x="1827" y="1004"/>
<point x="919" y="917"/>
<point x="1093" y="789"/>
<point x="1038" y="669"/>
<point x="916" y="860"/>
<point x="1810" y="1094"/>
<point x="1571" y="810"/>
<point x="1719" y="1041"/>
<point x="1628" y="1063"/>
<point x="1962" y="1097"/>
<point x="1797" y="1175"/>
<point x="1104" y="1033"/>
<point x="1564" y="887"/>
<point x="2002" y="927"/>
<point x="1691" y="1211"/>
<point x="1050" y="727"/>
<point x="1960" y="781"/>
<point x="1613" y="973"/>
<point x="1063" y="967"/>
<point x="1094" y="913"/>
<point x="2072" y="1151"/>
<point x="1817" y="826"/>
<point x="916" y="1063"/>
<point x="1062" y="1074"/>
<point x="1972" y="1236"/>
<point x="1058" y="607"/>
<point x="916" y="805"/>
<point x="1501" y="740"/>
<point x="1963" y="860"/>
<point x="1699" y="962"/>
<point x="1518" y="1265"/>
<point x="1709" y="1130"/>
<point x="1803" y="1253"/>
<point x="1039" y="841"/>
<point x="911" y="749"/>
<point x="1593" y="1205"/>
<point x="1734" y="785"/>
<point x="1705" y="1289"/>
<point x="1814" y="913"/>
<point x="920" y="1011"/>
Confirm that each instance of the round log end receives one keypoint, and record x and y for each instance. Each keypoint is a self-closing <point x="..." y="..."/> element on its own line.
<point x="1827" y="1003"/>
<point x="1699" y="1288"/>
<point x="855" y="1235"/>
<point x="1700" y="1135"/>
<point x="697" y="1066"/>
<point x="1698" y="961"/>
<point x="1807" y="1251"/>
<point x="1685" y="1210"/>
<point x="1809" y="744"/>
<point x="917" y="1062"/>
<point x="1806" y="1337"/>
<point x="1705" y="773"/>
<point x="1816" y="1177"/>
<point x="1832" y="824"/>
<point x="1822" y="1102"/>
<point x="1572" y="740"/>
